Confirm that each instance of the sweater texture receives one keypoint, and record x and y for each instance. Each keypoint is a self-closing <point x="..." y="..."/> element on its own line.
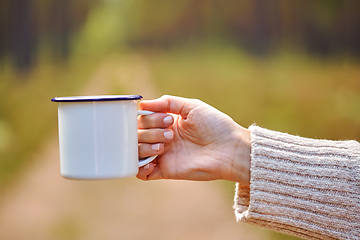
<point x="303" y="187"/>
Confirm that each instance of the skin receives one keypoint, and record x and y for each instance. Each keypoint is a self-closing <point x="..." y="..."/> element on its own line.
<point x="194" y="141"/>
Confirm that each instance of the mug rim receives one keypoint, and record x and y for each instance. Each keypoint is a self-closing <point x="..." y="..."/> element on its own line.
<point x="96" y="98"/>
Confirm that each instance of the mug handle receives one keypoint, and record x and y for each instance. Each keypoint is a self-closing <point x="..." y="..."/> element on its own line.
<point x="149" y="159"/>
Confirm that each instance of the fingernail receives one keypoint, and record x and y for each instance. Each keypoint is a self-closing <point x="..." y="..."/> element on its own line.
<point x="155" y="147"/>
<point x="168" y="135"/>
<point x="147" y="166"/>
<point x="168" y="119"/>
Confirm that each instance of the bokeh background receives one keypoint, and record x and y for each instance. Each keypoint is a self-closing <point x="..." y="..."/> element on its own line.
<point x="290" y="66"/>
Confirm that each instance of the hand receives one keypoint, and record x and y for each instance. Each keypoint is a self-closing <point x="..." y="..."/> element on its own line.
<point x="194" y="141"/>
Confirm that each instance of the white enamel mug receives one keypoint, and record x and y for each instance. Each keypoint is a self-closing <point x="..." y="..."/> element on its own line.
<point x="98" y="136"/>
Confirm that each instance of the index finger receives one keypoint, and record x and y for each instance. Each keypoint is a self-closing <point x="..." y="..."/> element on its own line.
<point x="170" y="104"/>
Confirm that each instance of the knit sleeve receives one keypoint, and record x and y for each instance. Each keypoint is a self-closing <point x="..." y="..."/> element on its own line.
<point x="303" y="187"/>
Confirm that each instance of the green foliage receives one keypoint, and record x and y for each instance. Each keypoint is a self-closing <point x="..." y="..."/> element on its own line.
<point x="104" y="30"/>
<point x="27" y="116"/>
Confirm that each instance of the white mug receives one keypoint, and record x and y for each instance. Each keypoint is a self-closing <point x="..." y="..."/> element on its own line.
<point x="98" y="136"/>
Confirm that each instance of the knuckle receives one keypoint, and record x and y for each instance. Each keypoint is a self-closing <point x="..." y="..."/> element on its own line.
<point x="150" y="121"/>
<point x="155" y="135"/>
<point x="152" y="135"/>
<point x="165" y="96"/>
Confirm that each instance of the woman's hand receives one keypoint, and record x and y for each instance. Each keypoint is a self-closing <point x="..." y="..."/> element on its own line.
<point x="194" y="141"/>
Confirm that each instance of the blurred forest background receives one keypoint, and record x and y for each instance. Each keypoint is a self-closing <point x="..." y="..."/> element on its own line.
<point x="291" y="66"/>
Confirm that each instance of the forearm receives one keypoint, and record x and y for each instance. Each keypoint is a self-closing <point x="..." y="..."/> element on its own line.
<point x="303" y="187"/>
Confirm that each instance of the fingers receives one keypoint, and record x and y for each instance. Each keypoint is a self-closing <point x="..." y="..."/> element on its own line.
<point x="155" y="120"/>
<point x="145" y="171"/>
<point x="146" y="150"/>
<point x="150" y="171"/>
<point x="154" y="130"/>
<point x="170" y="104"/>
<point x="155" y="135"/>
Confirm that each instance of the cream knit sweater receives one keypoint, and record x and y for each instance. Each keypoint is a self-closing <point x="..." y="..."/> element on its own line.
<point x="303" y="187"/>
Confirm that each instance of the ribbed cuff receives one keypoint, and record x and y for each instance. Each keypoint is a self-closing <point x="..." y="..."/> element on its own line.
<point x="303" y="187"/>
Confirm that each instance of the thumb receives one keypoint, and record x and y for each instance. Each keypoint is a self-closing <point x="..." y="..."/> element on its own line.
<point x="169" y="104"/>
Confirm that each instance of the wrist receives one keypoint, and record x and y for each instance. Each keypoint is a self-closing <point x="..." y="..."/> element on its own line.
<point x="240" y="165"/>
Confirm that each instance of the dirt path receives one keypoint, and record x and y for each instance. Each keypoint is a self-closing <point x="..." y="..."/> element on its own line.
<point x="43" y="205"/>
